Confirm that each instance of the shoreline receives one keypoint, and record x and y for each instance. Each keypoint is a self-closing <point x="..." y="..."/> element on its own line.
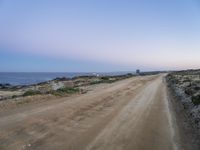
<point x="30" y="78"/>
<point x="58" y="86"/>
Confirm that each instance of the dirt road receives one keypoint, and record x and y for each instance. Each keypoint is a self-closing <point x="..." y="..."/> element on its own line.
<point x="131" y="114"/>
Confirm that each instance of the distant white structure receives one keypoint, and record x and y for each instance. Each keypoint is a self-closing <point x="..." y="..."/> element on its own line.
<point x="95" y="74"/>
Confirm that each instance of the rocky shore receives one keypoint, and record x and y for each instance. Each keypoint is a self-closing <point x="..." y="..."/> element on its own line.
<point x="57" y="87"/>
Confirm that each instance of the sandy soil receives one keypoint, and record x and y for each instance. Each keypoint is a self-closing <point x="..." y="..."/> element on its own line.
<point x="9" y="93"/>
<point x="126" y="115"/>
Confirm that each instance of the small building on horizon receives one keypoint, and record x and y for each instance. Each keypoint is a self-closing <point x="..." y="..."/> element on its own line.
<point x="137" y="71"/>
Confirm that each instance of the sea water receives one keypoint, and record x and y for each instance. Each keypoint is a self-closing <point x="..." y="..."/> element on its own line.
<point x="27" y="78"/>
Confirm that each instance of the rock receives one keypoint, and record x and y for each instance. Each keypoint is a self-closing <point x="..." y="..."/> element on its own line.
<point x="56" y="86"/>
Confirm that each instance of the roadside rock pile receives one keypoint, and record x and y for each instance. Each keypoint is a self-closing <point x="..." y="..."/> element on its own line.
<point x="186" y="85"/>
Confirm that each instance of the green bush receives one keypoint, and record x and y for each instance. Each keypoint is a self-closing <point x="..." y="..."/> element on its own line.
<point x="196" y="99"/>
<point x="31" y="92"/>
<point x="14" y="96"/>
<point x="63" y="91"/>
<point x="68" y="90"/>
<point x="96" y="82"/>
<point x="105" y="78"/>
<point x="103" y="81"/>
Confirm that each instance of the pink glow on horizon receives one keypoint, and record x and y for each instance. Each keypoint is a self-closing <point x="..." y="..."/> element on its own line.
<point x="160" y="37"/>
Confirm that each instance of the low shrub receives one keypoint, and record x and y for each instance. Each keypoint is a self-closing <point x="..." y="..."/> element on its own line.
<point x="14" y="96"/>
<point x="103" y="81"/>
<point x="96" y="82"/>
<point x="196" y="99"/>
<point x="31" y="92"/>
<point x="68" y="90"/>
<point x="105" y="78"/>
<point x="63" y="91"/>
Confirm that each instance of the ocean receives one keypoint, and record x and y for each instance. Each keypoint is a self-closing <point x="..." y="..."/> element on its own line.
<point x="27" y="78"/>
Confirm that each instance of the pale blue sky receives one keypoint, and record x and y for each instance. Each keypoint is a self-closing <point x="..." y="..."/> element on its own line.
<point x="99" y="35"/>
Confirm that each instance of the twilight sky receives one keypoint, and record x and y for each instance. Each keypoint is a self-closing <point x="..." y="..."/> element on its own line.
<point x="99" y="35"/>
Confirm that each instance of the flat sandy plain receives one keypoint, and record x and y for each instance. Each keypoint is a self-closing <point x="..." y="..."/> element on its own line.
<point x="131" y="114"/>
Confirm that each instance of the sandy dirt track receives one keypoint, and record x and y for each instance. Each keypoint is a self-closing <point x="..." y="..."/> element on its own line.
<point x="131" y="114"/>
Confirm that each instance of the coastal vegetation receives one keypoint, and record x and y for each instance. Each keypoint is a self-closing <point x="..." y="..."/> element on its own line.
<point x="57" y="87"/>
<point x="31" y="93"/>
<point x="64" y="91"/>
